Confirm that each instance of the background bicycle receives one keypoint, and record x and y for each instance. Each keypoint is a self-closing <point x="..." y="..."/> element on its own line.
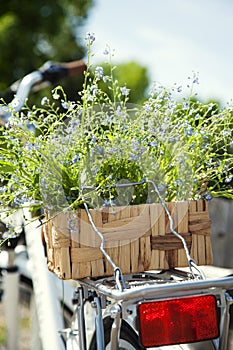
<point x="22" y="268"/>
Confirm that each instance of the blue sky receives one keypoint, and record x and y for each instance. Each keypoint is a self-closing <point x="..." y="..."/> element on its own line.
<point x="173" y="38"/>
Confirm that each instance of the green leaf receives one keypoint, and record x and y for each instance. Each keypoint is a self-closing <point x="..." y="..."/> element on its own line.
<point x="6" y="167"/>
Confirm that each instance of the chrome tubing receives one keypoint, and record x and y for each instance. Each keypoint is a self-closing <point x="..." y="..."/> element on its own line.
<point x="21" y="95"/>
<point x="153" y="291"/>
<point x="47" y="304"/>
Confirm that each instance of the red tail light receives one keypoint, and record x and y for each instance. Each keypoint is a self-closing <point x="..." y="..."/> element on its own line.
<point x="178" y="321"/>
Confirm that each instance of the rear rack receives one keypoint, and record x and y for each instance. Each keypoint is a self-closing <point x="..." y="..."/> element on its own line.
<point x="155" y="284"/>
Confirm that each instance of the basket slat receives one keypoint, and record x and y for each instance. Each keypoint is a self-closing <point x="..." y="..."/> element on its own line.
<point x="155" y="212"/>
<point x="137" y="238"/>
<point x="162" y="231"/>
<point x="182" y="215"/>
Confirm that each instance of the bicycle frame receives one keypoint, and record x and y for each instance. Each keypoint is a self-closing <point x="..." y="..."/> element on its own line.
<point x="48" y="305"/>
<point x="30" y="260"/>
<point x="107" y="300"/>
<point x="49" y="291"/>
<point x="145" y="287"/>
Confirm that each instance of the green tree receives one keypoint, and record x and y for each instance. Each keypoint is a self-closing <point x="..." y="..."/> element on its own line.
<point x="132" y="75"/>
<point x="33" y="32"/>
<point x="135" y="77"/>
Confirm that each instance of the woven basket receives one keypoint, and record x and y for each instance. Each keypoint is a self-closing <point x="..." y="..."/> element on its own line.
<point x="137" y="238"/>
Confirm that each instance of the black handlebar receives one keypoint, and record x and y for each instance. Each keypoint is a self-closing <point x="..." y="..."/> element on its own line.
<point x="54" y="72"/>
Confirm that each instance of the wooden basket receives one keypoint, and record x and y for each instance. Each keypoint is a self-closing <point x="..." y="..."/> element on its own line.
<point x="137" y="238"/>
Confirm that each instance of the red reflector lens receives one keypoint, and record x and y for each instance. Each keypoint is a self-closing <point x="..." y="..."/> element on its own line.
<point x="178" y="321"/>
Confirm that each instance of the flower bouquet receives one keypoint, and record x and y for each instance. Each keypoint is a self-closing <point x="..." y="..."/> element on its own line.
<point x="110" y="162"/>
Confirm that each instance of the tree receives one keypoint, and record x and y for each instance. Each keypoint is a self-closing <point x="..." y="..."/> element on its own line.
<point x="132" y="75"/>
<point x="135" y="77"/>
<point x="33" y="32"/>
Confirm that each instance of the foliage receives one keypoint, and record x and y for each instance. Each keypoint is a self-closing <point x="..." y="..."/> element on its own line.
<point x="33" y="32"/>
<point x="91" y="150"/>
<point x="131" y="74"/>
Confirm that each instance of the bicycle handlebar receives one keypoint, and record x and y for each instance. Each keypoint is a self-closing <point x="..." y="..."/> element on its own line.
<point x="53" y="72"/>
<point x="49" y="73"/>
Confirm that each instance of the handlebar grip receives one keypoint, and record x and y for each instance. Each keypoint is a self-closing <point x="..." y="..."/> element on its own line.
<point x="53" y="72"/>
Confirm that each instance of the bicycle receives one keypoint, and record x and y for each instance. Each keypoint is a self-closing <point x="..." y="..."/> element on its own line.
<point x="17" y="283"/>
<point x="109" y="312"/>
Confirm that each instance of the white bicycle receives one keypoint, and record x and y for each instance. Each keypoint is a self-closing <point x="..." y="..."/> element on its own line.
<point x="147" y="310"/>
<point x="35" y="303"/>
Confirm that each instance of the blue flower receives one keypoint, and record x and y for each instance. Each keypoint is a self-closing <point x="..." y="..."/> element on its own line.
<point x="99" y="72"/>
<point x="207" y="196"/>
<point x="108" y="118"/>
<point x="229" y="179"/>
<point x="178" y="183"/>
<point x="93" y="140"/>
<point x="226" y="132"/>
<point x="147" y="107"/>
<point x="125" y="91"/>
<point x="179" y="89"/>
<point x="161" y="188"/>
<point x="75" y="159"/>
<point x="105" y="79"/>
<point x="185" y="106"/>
<point x="99" y="150"/>
<point x="106" y="51"/>
<point x="80" y="111"/>
<point x="65" y="105"/>
<point x="119" y="111"/>
<point x="94" y="91"/>
<point x="90" y="37"/>
<point x="31" y="147"/>
<point x="44" y="101"/>
<point x="188" y="132"/>
<point x="153" y="144"/>
<point x="143" y="149"/>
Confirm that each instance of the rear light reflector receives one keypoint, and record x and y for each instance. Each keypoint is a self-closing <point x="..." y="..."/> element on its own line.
<point x="178" y="321"/>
